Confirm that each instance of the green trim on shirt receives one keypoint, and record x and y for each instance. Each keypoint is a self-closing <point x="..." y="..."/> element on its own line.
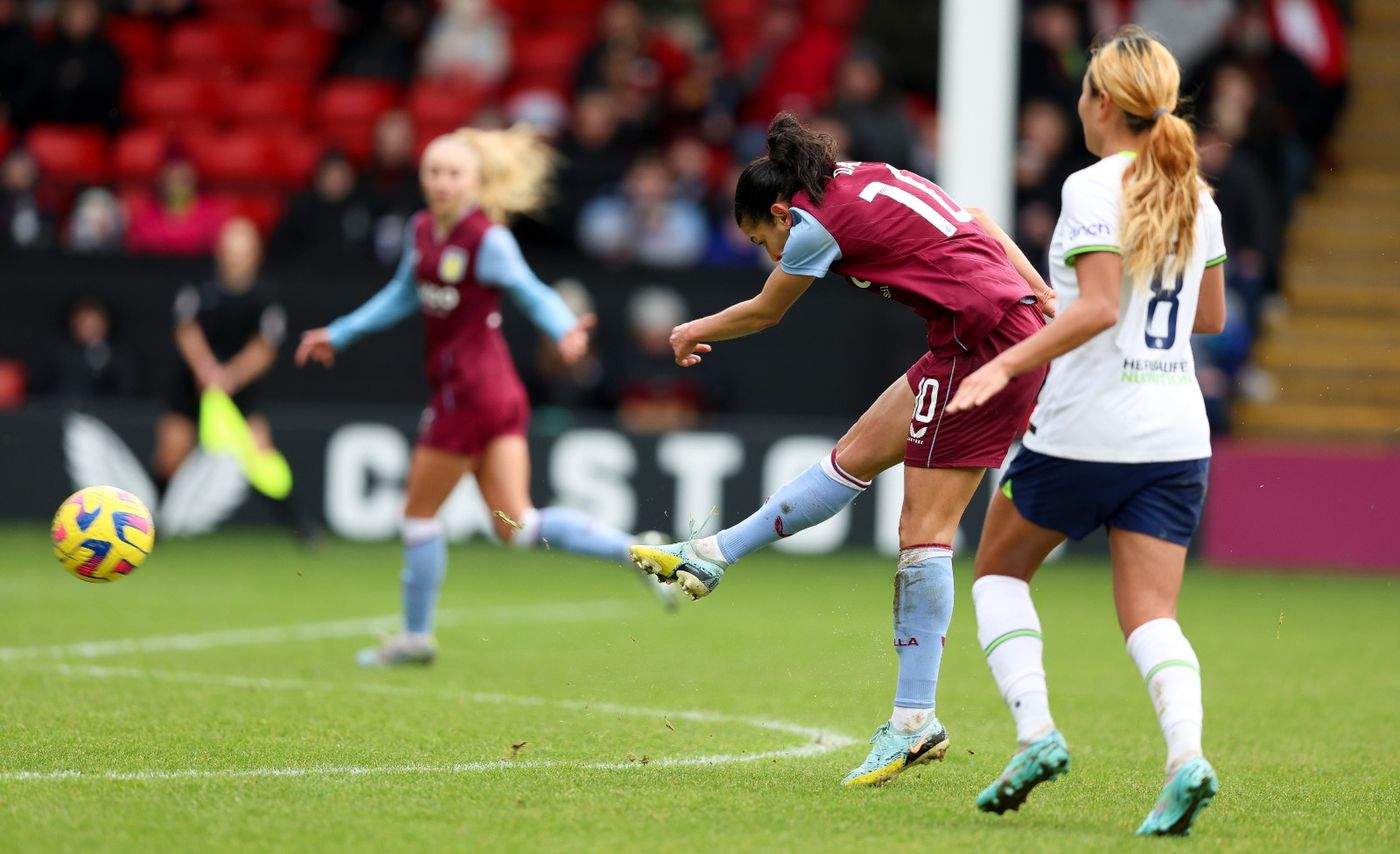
<point x="1126" y="153"/>
<point x="1216" y="261"/>
<point x="1084" y="250"/>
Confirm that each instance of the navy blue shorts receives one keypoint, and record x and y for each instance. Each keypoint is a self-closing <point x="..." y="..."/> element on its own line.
<point x="1075" y="497"/>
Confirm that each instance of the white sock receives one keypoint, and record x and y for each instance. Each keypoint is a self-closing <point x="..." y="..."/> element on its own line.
<point x="1008" y="630"/>
<point x="909" y="721"/>
<point x="708" y="548"/>
<point x="1173" y="675"/>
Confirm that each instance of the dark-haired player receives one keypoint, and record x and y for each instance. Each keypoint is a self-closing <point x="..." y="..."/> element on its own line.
<point x="897" y="236"/>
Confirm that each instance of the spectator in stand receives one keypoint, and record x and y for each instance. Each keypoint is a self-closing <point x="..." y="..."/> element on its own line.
<point x="729" y="246"/>
<point x="1053" y="53"/>
<point x="594" y="155"/>
<point x="332" y="218"/>
<point x="381" y="38"/>
<point x="392" y="183"/>
<point x="77" y="77"/>
<point x="926" y="144"/>
<point x="175" y="219"/>
<point x="467" y="41"/>
<point x="1045" y="157"/>
<point x="85" y="363"/>
<point x="26" y="222"/>
<point x="880" y="130"/>
<point x="17" y="53"/>
<point x="96" y="224"/>
<point x="690" y="160"/>
<point x="647" y="223"/>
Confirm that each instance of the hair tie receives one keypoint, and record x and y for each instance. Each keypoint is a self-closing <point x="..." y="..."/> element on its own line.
<point x="1159" y="112"/>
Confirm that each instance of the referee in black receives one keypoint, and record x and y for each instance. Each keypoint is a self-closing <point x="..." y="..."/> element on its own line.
<point x="227" y="330"/>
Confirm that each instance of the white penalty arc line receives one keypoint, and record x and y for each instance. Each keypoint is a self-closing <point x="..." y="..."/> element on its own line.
<point x="819" y="741"/>
<point x="561" y="612"/>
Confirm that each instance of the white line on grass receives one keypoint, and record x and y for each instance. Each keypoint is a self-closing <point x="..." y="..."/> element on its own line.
<point x="543" y="612"/>
<point x="819" y="741"/>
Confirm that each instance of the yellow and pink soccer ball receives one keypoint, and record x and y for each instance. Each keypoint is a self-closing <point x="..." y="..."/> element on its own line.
<point x="102" y="533"/>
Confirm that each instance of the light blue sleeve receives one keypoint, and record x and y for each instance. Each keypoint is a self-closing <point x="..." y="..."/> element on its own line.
<point x="810" y="249"/>
<point x="499" y="263"/>
<point x="393" y="303"/>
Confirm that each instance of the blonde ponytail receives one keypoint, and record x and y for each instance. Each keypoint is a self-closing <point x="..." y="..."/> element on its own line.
<point x="517" y="167"/>
<point x="1161" y="187"/>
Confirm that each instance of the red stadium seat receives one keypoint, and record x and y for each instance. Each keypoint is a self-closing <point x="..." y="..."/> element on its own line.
<point x="292" y="157"/>
<point x="138" y="154"/>
<point x="439" y="103"/>
<point x="569" y="13"/>
<point x="554" y="52"/>
<point x="297" y="11"/>
<point x="243" y="11"/>
<point x="212" y="46"/>
<point x="138" y="40"/>
<point x="268" y="101"/>
<point x="354" y="101"/>
<point x="726" y="15"/>
<point x="7" y="135"/>
<point x="69" y="155"/>
<point x="835" y="13"/>
<point x="171" y="99"/>
<point x="356" y="140"/>
<point x="295" y="51"/>
<point x="231" y="160"/>
<point x="263" y="208"/>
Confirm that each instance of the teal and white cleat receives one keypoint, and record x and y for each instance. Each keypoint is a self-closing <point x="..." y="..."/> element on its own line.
<point x="677" y="563"/>
<point x="894" y="753"/>
<point x="398" y="650"/>
<point x="1189" y="791"/>
<point x="1038" y="762"/>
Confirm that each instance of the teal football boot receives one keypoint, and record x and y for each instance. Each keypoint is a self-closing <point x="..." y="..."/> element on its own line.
<point x="894" y="753"/>
<point x="1038" y="762"/>
<point x="677" y="563"/>
<point x="398" y="650"/>
<point x="1189" y="791"/>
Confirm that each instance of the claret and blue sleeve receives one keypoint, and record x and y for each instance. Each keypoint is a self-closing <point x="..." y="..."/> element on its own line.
<point x="395" y="301"/>
<point x="500" y="263"/>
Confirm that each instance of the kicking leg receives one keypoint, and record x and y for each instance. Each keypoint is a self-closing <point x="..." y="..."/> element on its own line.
<point x="875" y="443"/>
<point x="1008" y="630"/>
<point x="432" y="476"/>
<point x="923" y="610"/>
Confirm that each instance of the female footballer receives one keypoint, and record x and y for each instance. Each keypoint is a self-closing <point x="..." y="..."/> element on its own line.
<point x="458" y="258"/>
<point x="1119" y="438"/>
<point x="897" y="236"/>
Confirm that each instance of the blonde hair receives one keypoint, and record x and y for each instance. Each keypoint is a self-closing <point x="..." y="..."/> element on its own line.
<point x="1161" y="187"/>
<point x="516" y="168"/>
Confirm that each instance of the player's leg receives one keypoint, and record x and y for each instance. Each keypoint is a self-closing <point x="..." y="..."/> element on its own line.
<point x="288" y="510"/>
<point x="1008" y="630"/>
<point x="176" y="436"/>
<point x="874" y="443"/>
<point x="504" y="479"/>
<point x="934" y="501"/>
<point x="432" y="475"/>
<point x="1147" y="575"/>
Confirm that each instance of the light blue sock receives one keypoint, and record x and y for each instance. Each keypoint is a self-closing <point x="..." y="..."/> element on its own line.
<point x="573" y="531"/>
<point x="812" y="497"/>
<point x="923" y="610"/>
<point x="424" y="566"/>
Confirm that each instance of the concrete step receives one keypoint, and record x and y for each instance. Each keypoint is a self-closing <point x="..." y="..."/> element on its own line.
<point x="1360" y="182"/>
<point x="1365" y="270"/>
<point x="1336" y="330"/>
<point x="1364" y="300"/>
<point x="1275" y="354"/>
<point x="1318" y="421"/>
<point x="1341" y="387"/>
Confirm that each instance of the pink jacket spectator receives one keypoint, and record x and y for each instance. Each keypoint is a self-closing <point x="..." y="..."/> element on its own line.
<point x="159" y="231"/>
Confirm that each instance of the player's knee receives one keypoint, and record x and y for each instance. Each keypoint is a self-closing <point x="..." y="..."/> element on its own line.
<point x="417" y="530"/>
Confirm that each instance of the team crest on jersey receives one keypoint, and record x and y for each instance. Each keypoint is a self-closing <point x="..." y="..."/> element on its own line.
<point x="452" y="266"/>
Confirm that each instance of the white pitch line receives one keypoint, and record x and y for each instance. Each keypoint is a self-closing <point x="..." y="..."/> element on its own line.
<point x="562" y="612"/>
<point x="819" y="741"/>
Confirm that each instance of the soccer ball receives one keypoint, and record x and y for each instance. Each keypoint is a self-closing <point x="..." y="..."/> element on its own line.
<point x="102" y="533"/>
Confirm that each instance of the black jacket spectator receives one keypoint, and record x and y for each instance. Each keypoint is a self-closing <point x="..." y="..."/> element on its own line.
<point x="77" y="77"/>
<point x="332" y="218"/>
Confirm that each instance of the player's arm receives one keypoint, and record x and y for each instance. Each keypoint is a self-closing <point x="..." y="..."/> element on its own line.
<point x="395" y="301"/>
<point x="499" y="262"/>
<point x="1100" y="278"/>
<point x="1210" y="307"/>
<point x="191" y="343"/>
<point x="260" y="353"/>
<point x="1044" y="294"/>
<point x="779" y="294"/>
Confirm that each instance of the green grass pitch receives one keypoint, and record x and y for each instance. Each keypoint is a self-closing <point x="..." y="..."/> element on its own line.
<point x="210" y="702"/>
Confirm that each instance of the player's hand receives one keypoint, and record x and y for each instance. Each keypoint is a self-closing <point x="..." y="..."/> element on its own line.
<point x="315" y="345"/>
<point x="686" y="348"/>
<point x="574" y="345"/>
<point x="214" y="375"/>
<point x="1047" y="302"/>
<point x="979" y="387"/>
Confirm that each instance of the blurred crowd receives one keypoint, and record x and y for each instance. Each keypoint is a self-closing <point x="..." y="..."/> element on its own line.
<point x="654" y="106"/>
